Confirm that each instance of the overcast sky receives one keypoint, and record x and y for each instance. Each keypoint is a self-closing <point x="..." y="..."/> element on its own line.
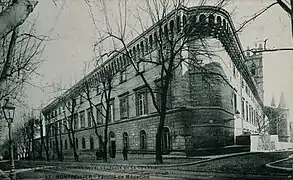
<point x="72" y="28"/>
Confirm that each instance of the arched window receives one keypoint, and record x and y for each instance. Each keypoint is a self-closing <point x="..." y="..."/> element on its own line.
<point x="202" y="18"/>
<point x="171" y="27"/>
<point x="166" y="140"/>
<point x="184" y="20"/>
<point x="151" y="41"/>
<point x="92" y="144"/>
<point x="142" y="48"/>
<point x="65" y="144"/>
<point x="224" y="23"/>
<point x="219" y="20"/>
<point x="178" y="24"/>
<point x="155" y="38"/>
<point x="143" y="142"/>
<point x="83" y="143"/>
<point x="138" y="51"/>
<point x="76" y="143"/>
<point x="125" y="140"/>
<point x="166" y="30"/>
<point x="133" y="53"/>
<point x="146" y="45"/>
<point x="211" y="19"/>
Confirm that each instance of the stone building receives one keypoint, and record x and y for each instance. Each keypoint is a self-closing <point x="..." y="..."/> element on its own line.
<point x="204" y="105"/>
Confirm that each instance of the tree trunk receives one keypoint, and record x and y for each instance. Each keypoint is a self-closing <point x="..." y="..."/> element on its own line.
<point x="159" y="152"/>
<point x="61" y="152"/>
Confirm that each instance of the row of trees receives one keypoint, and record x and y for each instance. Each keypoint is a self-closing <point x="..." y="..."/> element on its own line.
<point x="170" y="54"/>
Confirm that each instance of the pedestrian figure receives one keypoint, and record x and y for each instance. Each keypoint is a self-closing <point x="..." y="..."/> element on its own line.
<point x="125" y="152"/>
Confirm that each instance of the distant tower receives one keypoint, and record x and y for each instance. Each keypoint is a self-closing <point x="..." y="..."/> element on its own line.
<point x="254" y="63"/>
<point x="283" y="120"/>
<point x="282" y="103"/>
<point x="273" y="102"/>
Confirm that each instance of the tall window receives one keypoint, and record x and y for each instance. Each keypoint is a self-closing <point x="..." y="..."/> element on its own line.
<point x="76" y="143"/>
<point x="125" y="140"/>
<point x="89" y="117"/>
<point x="141" y="66"/>
<point x="99" y="116"/>
<point x="65" y="144"/>
<point x="98" y="89"/>
<point x="235" y="101"/>
<point x="92" y="143"/>
<point x="143" y="142"/>
<point x="124" y="107"/>
<point x="80" y="99"/>
<point x="112" y="117"/>
<point x="82" y="119"/>
<point x="242" y="108"/>
<point x="166" y="141"/>
<point x="75" y="121"/>
<point x="122" y="76"/>
<point x="60" y="127"/>
<point x="247" y="115"/>
<point x="83" y="143"/>
<point x="141" y="103"/>
<point x="74" y="102"/>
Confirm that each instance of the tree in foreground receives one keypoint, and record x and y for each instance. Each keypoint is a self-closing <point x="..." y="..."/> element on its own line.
<point x="172" y="46"/>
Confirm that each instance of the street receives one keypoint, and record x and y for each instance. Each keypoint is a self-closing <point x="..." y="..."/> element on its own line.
<point x="248" y="166"/>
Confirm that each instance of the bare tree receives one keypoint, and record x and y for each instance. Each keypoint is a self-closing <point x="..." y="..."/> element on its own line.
<point x="170" y="44"/>
<point x="103" y="85"/>
<point x="71" y="118"/>
<point x="13" y="14"/>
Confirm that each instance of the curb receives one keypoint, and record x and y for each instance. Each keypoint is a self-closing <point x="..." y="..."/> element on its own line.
<point x="284" y="169"/>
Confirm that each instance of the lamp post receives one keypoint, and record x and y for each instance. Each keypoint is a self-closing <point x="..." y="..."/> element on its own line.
<point x="8" y="111"/>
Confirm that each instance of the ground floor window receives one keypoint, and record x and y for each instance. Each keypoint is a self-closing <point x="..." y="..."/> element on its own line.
<point x="166" y="140"/>
<point x="91" y="143"/>
<point x="83" y="143"/>
<point x="143" y="144"/>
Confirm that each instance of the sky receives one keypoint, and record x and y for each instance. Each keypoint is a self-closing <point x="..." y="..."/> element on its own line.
<point x="71" y="27"/>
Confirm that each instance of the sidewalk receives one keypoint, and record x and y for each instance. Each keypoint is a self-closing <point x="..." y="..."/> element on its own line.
<point x="147" y="163"/>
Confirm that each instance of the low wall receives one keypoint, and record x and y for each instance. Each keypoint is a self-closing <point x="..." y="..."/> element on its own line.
<point x="261" y="143"/>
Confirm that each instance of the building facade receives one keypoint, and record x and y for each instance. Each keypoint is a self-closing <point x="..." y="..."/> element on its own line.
<point x="206" y="109"/>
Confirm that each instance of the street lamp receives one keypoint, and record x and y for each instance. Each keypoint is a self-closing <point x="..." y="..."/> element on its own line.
<point x="8" y="110"/>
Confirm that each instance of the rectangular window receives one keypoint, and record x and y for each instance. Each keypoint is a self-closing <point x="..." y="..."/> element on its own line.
<point x="247" y="115"/>
<point x="60" y="127"/>
<point x="124" y="107"/>
<point x="122" y="76"/>
<point x="141" y="66"/>
<point x="141" y="103"/>
<point x="98" y="89"/>
<point x="89" y="117"/>
<point x="99" y="115"/>
<point x="235" y="102"/>
<point x="112" y="117"/>
<point x="82" y="119"/>
<point x="234" y="70"/>
<point x="159" y="95"/>
<point x="80" y="99"/>
<point x="75" y="121"/>
<point x="242" y="109"/>
<point x="74" y="102"/>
